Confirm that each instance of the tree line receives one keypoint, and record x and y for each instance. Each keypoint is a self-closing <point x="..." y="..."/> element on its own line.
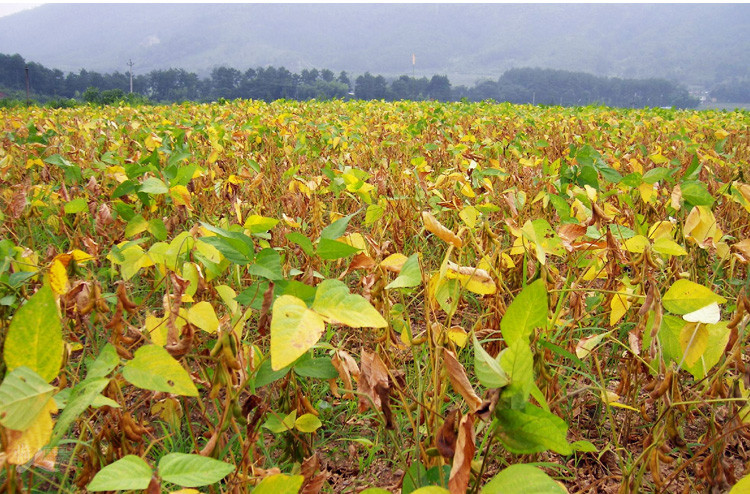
<point x="522" y="86"/>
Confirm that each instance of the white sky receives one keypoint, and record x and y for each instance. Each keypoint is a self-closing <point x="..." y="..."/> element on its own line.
<point x="7" y="8"/>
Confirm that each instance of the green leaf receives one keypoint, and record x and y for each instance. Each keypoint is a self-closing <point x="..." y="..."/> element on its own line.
<point x="23" y="394"/>
<point x="374" y="213"/>
<point x="153" y="185"/>
<point x="488" y="370"/>
<point x="104" y="363"/>
<point x="431" y="489"/>
<point x="190" y="470"/>
<point x="153" y="368"/>
<point x="276" y="424"/>
<point x="259" y="224"/>
<point x="333" y="249"/>
<point x="266" y="375"/>
<point x="522" y="479"/>
<point x="518" y="362"/>
<point x="527" y="311"/>
<point x="337" y="228"/>
<point x="77" y="205"/>
<point x="302" y="241"/>
<point x="267" y="265"/>
<point x="409" y="276"/>
<point x="317" y="368"/>
<point x="545" y="239"/>
<point x="334" y="302"/>
<point x="58" y="160"/>
<point x="82" y="396"/>
<point x="128" y="473"/>
<point x="34" y="338"/>
<point x="158" y="229"/>
<point x="696" y="193"/>
<point x="136" y="226"/>
<point x="294" y="330"/>
<point x="531" y="430"/>
<point x="375" y="490"/>
<point x="279" y="484"/>
<point x="684" y="297"/>
<point x="235" y="246"/>
<point x="308" y="423"/>
<point x="583" y="447"/>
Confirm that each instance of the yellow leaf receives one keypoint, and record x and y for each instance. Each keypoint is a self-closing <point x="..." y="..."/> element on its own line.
<point x="58" y="277"/>
<point x="636" y="244"/>
<point x="467" y="190"/>
<point x="156" y="327"/>
<point x="660" y="229"/>
<point x="669" y="247"/>
<point x="469" y="216"/>
<point x="294" y="330"/>
<point x="22" y="446"/>
<point x="700" y="226"/>
<point x="458" y="336"/>
<point x="394" y="262"/>
<point x="202" y="315"/>
<point x="80" y="256"/>
<point x="693" y="341"/>
<point x="433" y="226"/>
<point x="648" y="192"/>
<point x="180" y="196"/>
<point x="356" y="240"/>
<point x="619" y="305"/>
<point x="475" y="280"/>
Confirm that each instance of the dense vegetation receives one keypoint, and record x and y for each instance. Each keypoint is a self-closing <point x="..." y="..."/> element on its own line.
<point x="326" y="296"/>
<point x="535" y="86"/>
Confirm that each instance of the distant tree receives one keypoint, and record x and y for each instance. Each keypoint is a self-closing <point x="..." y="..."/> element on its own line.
<point x="439" y="88"/>
<point x="344" y="78"/>
<point x="225" y="82"/>
<point x="309" y="76"/>
<point x="370" y="87"/>
<point x="326" y="75"/>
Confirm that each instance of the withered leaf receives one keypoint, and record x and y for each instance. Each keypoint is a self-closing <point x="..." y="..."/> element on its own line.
<point x="459" y="380"/>
<point x="374" y="375"/>
<point x="465" y="449"/>
<point x="433" y="226"/>
<point x="446" y="436"/>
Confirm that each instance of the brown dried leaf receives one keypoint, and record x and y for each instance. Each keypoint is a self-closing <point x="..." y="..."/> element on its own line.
<point x="374" y="374"/>
<point x="361" y="261"/>
<point x="568" y="233"/>
<point x="446" y="436"/>
<point x="459" y="380"/>
<point x="264" y="321"/>
<point x="17" y="201"/>
<point x="347" y="368"/>
<point x="465" y="449"/>
<point x="433" y="226"/>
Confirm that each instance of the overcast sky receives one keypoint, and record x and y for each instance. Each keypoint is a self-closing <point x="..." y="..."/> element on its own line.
<point x="12" y="8"/>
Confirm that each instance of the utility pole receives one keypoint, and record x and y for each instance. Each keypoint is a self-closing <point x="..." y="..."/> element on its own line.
<point x="413" y="64"/>
<point x="130" y="64"/>
<point x="28" y="102"/>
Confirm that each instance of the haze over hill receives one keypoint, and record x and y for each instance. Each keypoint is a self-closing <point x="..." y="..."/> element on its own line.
<point x="692" y="44"/>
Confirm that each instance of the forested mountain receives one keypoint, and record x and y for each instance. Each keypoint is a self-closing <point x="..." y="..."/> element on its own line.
<point x="691" y="44"/>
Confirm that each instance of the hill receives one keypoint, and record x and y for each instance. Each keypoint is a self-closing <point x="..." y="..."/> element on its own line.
<point x="691" y="44"/>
